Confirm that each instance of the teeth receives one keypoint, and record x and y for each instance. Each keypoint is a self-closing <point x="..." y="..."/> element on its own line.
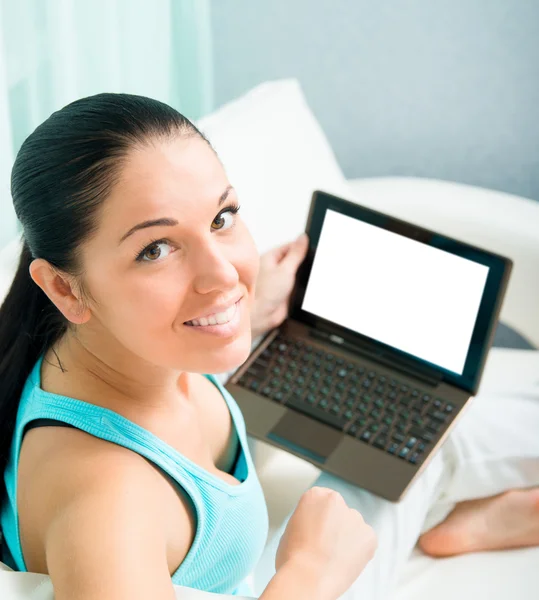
<point x="221" y="318"/>
<point x="217" y="319"/>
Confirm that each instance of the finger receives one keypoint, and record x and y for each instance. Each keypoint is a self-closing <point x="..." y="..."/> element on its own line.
<point x="283" y="251"/>
<point x="297" y="253"/>
<point x="276" y="255"/>
<point x="278" y="316"/>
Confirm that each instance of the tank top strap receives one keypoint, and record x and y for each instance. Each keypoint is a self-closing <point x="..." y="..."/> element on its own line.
<point x="113" y="427"/>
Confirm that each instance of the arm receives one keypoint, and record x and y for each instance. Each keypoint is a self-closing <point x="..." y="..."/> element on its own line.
<point x="107" y="538"/>
<point x="295" y="582"/>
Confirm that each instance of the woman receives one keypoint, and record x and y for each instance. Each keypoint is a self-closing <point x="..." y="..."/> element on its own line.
<point x="125" y="469"/>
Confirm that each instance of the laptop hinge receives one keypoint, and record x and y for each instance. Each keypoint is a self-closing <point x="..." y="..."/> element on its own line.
<point x="424" y="374"/>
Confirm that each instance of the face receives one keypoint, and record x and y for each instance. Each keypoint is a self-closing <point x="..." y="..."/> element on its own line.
<point x="171" y="269"/>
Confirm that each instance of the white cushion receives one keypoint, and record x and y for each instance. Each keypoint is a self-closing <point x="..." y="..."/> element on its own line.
<point x="276" y="155"/>
<point x="31" y="586"/>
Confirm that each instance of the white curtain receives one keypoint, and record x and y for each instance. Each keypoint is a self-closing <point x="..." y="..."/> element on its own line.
<point x="54" y="51"/>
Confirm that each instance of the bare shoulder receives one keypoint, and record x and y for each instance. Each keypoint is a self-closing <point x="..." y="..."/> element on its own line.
<point x="93" y="501"/>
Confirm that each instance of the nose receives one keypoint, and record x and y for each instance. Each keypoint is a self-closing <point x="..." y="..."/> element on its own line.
<point x="213" y="268"/>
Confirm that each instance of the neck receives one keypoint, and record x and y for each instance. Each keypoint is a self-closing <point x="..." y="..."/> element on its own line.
<point x="115" y="375"/>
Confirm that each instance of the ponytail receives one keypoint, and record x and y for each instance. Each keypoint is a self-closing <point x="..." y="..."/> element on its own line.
<point x="29" y="324"/>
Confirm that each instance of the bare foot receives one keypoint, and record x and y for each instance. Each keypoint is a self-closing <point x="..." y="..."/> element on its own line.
<point x="509" y="520"/>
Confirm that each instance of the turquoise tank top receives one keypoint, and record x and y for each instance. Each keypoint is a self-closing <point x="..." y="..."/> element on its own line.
<point x="231" y="520"/>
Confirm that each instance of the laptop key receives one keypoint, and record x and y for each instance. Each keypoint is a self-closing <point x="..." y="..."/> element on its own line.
<point x="256" y="372"/>
<point x="404" y="452"/>
<point x="380" y="442"/>
<point x="366" y="436"/>
<point x="421" y="434"/>
<point x="398" y="437"/>
<point x="393" y="448"/>
<point x="314" y="411"/>
<point x="438" y="415"/>
<point x="414" y="458"/>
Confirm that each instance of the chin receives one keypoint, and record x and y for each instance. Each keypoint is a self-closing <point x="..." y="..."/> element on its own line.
<point x="227" y="358"/>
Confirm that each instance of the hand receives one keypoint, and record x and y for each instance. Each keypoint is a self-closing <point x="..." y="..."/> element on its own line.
<point x="327" y="541"/>
<point x="274" y="284"/>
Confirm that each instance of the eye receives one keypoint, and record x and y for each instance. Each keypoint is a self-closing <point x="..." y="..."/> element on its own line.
<point x="226" y="219"/>
<point x="155" y="251"/>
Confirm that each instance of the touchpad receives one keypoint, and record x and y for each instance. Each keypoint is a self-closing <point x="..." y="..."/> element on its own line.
<point x="305" y="436"/>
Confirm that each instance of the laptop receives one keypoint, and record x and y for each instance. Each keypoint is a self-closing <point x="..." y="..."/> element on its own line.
<point x="389" y="329"/>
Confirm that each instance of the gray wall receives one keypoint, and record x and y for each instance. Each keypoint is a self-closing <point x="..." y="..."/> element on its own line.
<point x="433" y="88"/>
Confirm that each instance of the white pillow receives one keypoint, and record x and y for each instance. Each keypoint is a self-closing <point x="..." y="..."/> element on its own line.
<point x="31" y="586"/>
<point x="276" y="155"/>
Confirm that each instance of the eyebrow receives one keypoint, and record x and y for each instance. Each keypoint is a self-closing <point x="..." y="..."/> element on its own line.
<point x="167" y="221"/>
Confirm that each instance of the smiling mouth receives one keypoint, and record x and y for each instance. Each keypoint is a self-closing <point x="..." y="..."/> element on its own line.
<point x="220" y="318"/>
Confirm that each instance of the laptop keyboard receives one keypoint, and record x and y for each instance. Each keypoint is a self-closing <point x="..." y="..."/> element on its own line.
<point x="377" y="409"/>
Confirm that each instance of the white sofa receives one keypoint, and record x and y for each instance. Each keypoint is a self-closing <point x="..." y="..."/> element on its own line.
<point x="276" y="155"/>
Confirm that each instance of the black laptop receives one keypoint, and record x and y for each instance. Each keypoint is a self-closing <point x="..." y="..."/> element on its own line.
<point x="389" y="329"/>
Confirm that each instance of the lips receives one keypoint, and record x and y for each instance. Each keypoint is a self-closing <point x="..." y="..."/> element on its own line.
<point x="223" y="315"/>
<point x="219" y="318"/>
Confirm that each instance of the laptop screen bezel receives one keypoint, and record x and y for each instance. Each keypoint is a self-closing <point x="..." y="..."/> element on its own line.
<point x="484" y="329"/>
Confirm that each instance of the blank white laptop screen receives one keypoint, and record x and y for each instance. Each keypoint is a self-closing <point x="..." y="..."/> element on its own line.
<point x="411" y="296"/>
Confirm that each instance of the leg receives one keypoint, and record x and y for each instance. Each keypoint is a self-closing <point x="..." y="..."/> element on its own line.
<point x="494" y="448"/>
<point x="501" y="519"/>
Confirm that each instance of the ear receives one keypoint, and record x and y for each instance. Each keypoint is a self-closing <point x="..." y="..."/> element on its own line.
<point x="61" y="290"/>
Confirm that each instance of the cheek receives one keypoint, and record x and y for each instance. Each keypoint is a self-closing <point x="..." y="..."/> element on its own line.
<point x="248" y="262"/>
<point x="151" y="302"/>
